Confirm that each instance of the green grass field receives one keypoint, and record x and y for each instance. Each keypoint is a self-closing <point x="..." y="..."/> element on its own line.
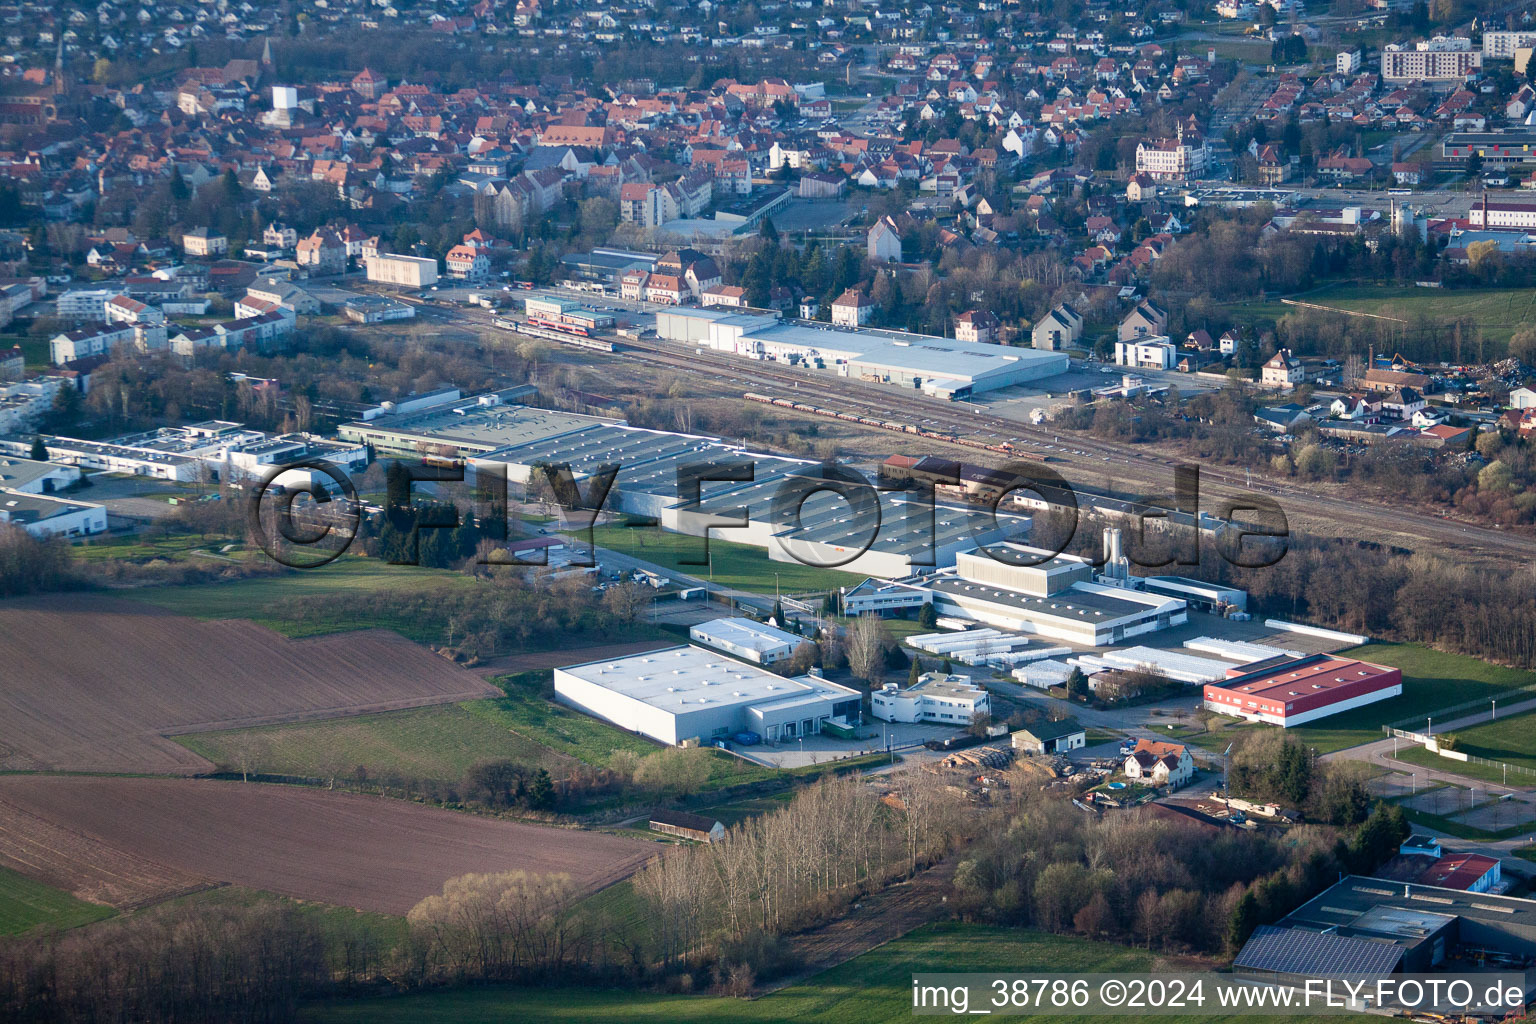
<point x="430" y="743"/>
<point x="25" y="904"/>
<point x="253" y="598"/>
<point x="872" y="989"/>
<point x="1509" y="739"/>
<point x="1431" y="680"/>
<point x="735" y="565"/>
<point x="1498" y="311"/>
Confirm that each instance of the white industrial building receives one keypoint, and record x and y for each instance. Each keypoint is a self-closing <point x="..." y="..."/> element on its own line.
<point x="748" y="639"/>
<point x="945" y="367"/>
<point x="936" y="697"/>
<point x="214" y="450"/>
<point x="46" y="515"/>
<point x="687" y="692"/>
<point x="1059" y="597"/>
<point x="492" y="434"/>
<point x="32" y="477"/>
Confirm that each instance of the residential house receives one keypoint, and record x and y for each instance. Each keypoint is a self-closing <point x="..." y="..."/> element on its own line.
<point x="1144" y="321"/>
<point x="977" y="325"/>
<point x="884" y="240"/>
<point x="852" y="308"/>
<point x="202" y="243"/>
<point x="1058" y="329"/>
<point x="323" y="252"/>
<point x="1159" y="763"/>
<point x="1283" y="370"/>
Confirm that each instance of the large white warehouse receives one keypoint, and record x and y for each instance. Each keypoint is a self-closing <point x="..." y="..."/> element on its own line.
<point x="687" y="692"/>
<point x="1057" y="598"/>
<point x="945" y="367"/>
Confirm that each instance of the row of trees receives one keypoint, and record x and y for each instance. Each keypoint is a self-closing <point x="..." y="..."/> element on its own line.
<point x="787" y="869"/>
<point x="1140" y="878"/>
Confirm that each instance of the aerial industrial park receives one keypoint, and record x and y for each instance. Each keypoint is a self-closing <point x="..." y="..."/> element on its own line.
<point x="566" y="510"/>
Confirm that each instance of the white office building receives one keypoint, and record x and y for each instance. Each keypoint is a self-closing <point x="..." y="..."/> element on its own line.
<point x="1147" y="354"/>
<point x="936" y="697"/>
<point x="682" y="693"/>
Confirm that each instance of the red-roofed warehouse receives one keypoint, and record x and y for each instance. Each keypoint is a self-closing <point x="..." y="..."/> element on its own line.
<point x="1303" y="690"/>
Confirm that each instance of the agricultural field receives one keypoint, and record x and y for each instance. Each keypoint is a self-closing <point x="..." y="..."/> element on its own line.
<point x="260" y="598"/>
<point x="439" y="742"/>
<point x="741" y="566"/>
<point x="1431" y="680"/>
<point x="871" y="989"/>
<point x="96" y="683"/>
<point x="38" y="847"/>
<point x="343" y="849"/>
<point x="1499" y="312"/>
<point x="26" y="904"/>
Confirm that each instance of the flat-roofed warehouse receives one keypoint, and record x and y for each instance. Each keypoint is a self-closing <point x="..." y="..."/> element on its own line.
<point x="822" y="530"/>
<point x="462" y="427"/>
<point x="1417" y="926"/>
<point x="687" y="692"/>
<point x="945" y="367"/>
<point x="1304" y="690"/>
<point x="1056" y="597"/>
<point x="905" y="536"/>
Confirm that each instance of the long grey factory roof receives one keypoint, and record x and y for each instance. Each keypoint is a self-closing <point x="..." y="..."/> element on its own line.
<point x="1079" y="606"/>
<point x="945" y="357"/>
<point x="487" y="427"/>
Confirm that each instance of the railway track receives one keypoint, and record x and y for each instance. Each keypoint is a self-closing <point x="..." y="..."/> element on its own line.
<point x="1373" y="520"/>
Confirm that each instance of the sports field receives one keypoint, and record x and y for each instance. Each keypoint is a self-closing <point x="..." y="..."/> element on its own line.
<point x="1431" y="680"/>
<point x="25" y="904"/>
<point x="1509" y="740"/>
<point x="872" y="989"/>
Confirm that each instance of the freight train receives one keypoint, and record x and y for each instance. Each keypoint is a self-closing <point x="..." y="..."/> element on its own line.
<point x="1003" y="447"/>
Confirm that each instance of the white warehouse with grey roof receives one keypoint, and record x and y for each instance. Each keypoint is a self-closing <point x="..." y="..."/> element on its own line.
<point x="1056" y="598"/>
<point x="687" y="692"/>
<point x="945" y="367"/>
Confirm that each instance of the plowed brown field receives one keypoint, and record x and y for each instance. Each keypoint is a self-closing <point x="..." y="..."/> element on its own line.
<point x="96" y="684"/>
<point x="120" y="840"/>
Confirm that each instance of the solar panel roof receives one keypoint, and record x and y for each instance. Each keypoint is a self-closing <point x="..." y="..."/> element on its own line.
<point x="1292" y="951"/>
